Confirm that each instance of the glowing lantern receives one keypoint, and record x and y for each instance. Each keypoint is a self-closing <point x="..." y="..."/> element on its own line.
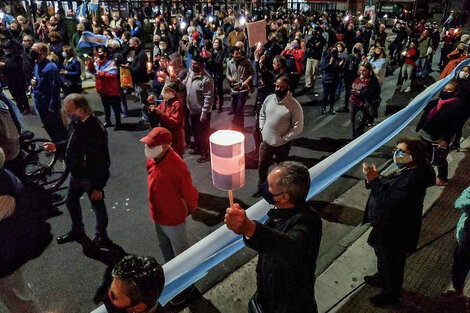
<point x="228" y="160"/>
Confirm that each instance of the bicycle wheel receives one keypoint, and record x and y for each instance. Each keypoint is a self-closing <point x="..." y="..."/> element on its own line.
<point x="38" y="162"/>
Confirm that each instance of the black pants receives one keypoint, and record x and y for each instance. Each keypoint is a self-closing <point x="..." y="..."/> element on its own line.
<point x="115" y="103"/>
<point x="391" y="268"/>
<point x="53" y="124"/>
<point x="18" y="91"/>
<point x="359" y="118"/>
<point x="77" y="187"/>
<point x="442" y="171"/>
<point x="460" y="266"/>
<point x="219" y="90"/>
<point x="266" y="154"/>
<point x="329" y="94"/>
<point x="200" y="131"/>
<point x="347" y="91"/>
<point x="238" y="106"/>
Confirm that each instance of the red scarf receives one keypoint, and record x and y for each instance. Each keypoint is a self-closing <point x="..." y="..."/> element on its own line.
<point x="439" y="106"/>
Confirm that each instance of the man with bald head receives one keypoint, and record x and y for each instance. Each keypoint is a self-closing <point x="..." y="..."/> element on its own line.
<point x="281" y="119"/>
<point x="287" y="243"/>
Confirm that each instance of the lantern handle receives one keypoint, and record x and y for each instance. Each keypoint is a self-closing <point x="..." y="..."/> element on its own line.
<point x="230" y="197"/>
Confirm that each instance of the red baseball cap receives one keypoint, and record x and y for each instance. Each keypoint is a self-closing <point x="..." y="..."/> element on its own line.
<point x="157" y="136"/>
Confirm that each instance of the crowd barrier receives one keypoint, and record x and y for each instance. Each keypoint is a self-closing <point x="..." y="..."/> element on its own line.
<point x="195" y="262"/>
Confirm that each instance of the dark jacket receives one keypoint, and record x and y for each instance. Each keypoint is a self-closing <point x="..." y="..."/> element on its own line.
<point x="73" y="73"/>
<point x="47" y="91"/>
<point x="13" y="69"/>
<point x="443" y="124"/>
<point x="330" y="71"/>
<point x="315" y="46"/>
<point x="138" y="67"/>
<point x="395" y="208"/>
<point x="371" y="92"/>
<point x="86" y="152"/>
<point x="288" y="248"/>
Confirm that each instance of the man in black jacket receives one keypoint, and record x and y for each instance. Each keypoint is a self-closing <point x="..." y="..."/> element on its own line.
<point x="287" y="244"/>
<point x="314" y="52"/>
<point x="87" y="159"/>
<point x="140" y="77"/>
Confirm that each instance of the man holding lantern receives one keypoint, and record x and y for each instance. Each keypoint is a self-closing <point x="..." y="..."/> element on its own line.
<point x="287" y="243"/>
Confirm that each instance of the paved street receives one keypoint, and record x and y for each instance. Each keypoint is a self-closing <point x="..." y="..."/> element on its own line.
<point x="65" y="280"/>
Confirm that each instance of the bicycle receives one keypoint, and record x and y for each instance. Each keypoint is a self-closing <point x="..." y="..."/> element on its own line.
<point x="43" y="168"/>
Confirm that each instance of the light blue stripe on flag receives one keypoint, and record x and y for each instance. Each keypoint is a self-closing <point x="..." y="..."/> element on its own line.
<point x="81" y="11"/>
<point x="94" y="5"/>
<point x="89" y="40"/>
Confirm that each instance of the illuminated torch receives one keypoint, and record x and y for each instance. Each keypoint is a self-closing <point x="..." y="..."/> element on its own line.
<point x="228" y="160"/>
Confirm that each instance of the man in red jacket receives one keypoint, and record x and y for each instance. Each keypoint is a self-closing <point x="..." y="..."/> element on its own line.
<point x="172" y="196"/>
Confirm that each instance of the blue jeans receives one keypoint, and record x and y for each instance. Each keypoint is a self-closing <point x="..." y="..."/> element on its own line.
<point x="172" y="240"/>
<point x="422" y="70"/>
<point x="77" y="187"/>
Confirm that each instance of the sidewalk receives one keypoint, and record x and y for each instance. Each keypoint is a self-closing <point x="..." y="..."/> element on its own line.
<point x="339" y="286"/>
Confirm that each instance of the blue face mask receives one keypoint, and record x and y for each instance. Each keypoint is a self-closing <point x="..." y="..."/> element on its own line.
<point x="401" y="158"/>
<point x="73" y="118"/>
<point x="267" y="195"/>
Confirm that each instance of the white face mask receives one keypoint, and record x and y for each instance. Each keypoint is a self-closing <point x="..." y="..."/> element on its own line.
<point x="216" y="45"/>
<point x="463" y="75"/>
<point x="167" y="95"/>
<point x="154" y="152"/>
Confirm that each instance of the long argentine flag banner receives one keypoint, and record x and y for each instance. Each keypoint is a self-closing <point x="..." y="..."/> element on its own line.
<point x="90" y="40"/>
<point x="195" y="262"/>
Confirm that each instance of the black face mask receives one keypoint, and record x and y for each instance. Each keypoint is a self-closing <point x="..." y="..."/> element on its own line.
<point x="34" y="55"/>
<point x="79" y="33"/>
<point x="356" y="50"/>
<point x="132" y="48"/>
<point x="444" y="95"/>
<point x="111" y="308"/>
<point x="101" y="56"/>
<point x="196" y="69"/>
<point x="376" y="55"/>
<point x="334" y="53"/>
<point x="266" y="194"/>
<point x="281" y="94"/>
<point x="461" y="50"/>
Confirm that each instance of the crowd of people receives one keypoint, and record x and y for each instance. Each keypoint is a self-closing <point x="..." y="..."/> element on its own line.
<point x="178" y="69"/>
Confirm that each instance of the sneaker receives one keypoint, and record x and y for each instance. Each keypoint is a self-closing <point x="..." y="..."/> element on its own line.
<point x="323" y="110"/>
<point x="332" y="112"/>
<point x="315" y="94"/>
<point x="123" y="115"/>
<point x="343" y="110"/>
<point x="408" y="89"/>
<point x="195" y="152"/>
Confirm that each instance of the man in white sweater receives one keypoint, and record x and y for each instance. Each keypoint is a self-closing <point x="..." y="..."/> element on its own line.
<point x="280" y="120"/>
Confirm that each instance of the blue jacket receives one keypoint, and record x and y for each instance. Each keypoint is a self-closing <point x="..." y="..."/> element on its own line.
<point x="73" y="72"/>
<point x="47" y="91"/>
